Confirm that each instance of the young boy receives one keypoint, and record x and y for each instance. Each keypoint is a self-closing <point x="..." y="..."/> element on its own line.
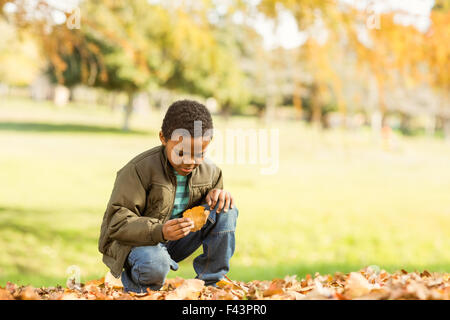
<point x="143" y="233"/>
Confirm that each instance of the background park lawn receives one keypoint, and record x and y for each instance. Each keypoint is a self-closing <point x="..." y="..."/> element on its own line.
<point x="339" y="201"/>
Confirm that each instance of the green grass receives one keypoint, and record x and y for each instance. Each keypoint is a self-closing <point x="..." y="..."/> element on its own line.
<point x="339" y="201"/>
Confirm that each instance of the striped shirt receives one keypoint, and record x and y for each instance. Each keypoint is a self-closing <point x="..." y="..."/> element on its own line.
<point x="181" y="196"/>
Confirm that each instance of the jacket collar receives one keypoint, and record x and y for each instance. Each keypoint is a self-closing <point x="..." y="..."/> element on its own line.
<point x="165" y="162"/>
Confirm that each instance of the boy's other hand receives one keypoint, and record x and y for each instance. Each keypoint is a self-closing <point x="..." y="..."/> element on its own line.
<point x="222" y="198"/>
<point x="175" y="229"/>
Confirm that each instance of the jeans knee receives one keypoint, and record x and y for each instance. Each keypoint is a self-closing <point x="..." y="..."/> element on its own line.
<point x="151" y="273"/>
<point x="226" y="221"/>
<point x="151" y="267"/>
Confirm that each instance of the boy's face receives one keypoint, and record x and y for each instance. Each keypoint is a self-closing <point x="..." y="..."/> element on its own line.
<point x="182" y="154"/>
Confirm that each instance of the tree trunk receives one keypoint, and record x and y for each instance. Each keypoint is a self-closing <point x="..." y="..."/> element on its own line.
<point x="226" y="111"/>
<point x="381" y="99"/>
<point x="128" y="110"/>
<point x="316" y="108"/>
<point x="297" y="101"/>
<point x="446" y="127"/>
<point x="112" y="101"/>
<point x="445" y="99"/>
<point x="71" y="97"/>
<point x="269" y="110"/>
<point x="376" y="122"/>
<point x="405" y="123"/>
<point x="430" y="128"/>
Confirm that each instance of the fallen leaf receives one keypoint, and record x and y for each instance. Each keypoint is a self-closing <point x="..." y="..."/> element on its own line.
<point x="95" y="282"/>
<point x="190" y="289"/>
<point x="357" y="285"/>
<point x="363" y="284"/>
<point x="224" y="284"/>
<point x="276" y="287"/>
<point x="173" y="283"/>
<point x="425" y="273"/>
<point x="28" y="293"/>
<point x="5" y="295"/>
<point x="112" y="282"/>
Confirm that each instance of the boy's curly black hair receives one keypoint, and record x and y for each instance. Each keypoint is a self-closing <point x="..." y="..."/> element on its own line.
<point x="181" y="115"/>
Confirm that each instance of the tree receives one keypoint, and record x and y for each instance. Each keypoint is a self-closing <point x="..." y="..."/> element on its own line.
<point x="394" y="54"/>
<point x="136" y="46"/>
<point x="438" y="56"/>
<point x="19" y="55"/>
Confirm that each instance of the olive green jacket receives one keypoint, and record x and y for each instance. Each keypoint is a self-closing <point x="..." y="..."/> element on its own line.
<point x="142" y="200"/>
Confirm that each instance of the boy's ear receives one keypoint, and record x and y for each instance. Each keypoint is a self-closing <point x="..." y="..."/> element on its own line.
<point x="161" y="137"/>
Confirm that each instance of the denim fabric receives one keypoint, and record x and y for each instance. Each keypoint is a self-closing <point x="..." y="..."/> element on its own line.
<point x="148" y="266"/>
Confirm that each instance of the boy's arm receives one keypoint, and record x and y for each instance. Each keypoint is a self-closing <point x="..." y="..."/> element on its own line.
<point x="218" y="184"/>
<point x="128" y="200"/>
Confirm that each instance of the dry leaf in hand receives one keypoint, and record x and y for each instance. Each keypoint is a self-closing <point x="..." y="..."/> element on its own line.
<point x="197" y="214"/>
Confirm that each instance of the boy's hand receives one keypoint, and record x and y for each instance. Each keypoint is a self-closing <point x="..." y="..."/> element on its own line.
<point x="175" y="229"/>
<point x="222" y="198"/>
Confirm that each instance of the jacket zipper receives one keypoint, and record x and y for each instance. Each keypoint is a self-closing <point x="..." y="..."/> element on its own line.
<point x="190" y="190"/>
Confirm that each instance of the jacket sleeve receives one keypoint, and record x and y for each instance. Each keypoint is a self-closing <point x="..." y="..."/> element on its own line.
<point x="125" y="207"/>
<point x="218" y="183"/>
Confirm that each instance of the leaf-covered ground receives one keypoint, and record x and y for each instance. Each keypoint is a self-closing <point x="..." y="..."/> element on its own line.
<point x="364" y="284"/>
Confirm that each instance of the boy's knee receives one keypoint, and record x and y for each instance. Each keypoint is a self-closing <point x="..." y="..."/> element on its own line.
<point x="152" y="267"/>
<point x="153" y="274"/>
<point x="226" y="221"/>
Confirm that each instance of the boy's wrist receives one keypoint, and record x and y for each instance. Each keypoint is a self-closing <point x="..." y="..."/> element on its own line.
<point x="157" y="234"/>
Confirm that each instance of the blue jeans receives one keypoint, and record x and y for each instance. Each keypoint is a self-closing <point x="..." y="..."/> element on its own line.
<point x="148" y="266"/>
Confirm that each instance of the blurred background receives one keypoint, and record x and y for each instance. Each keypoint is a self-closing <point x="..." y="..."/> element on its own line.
<point x="359" y="91"/>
